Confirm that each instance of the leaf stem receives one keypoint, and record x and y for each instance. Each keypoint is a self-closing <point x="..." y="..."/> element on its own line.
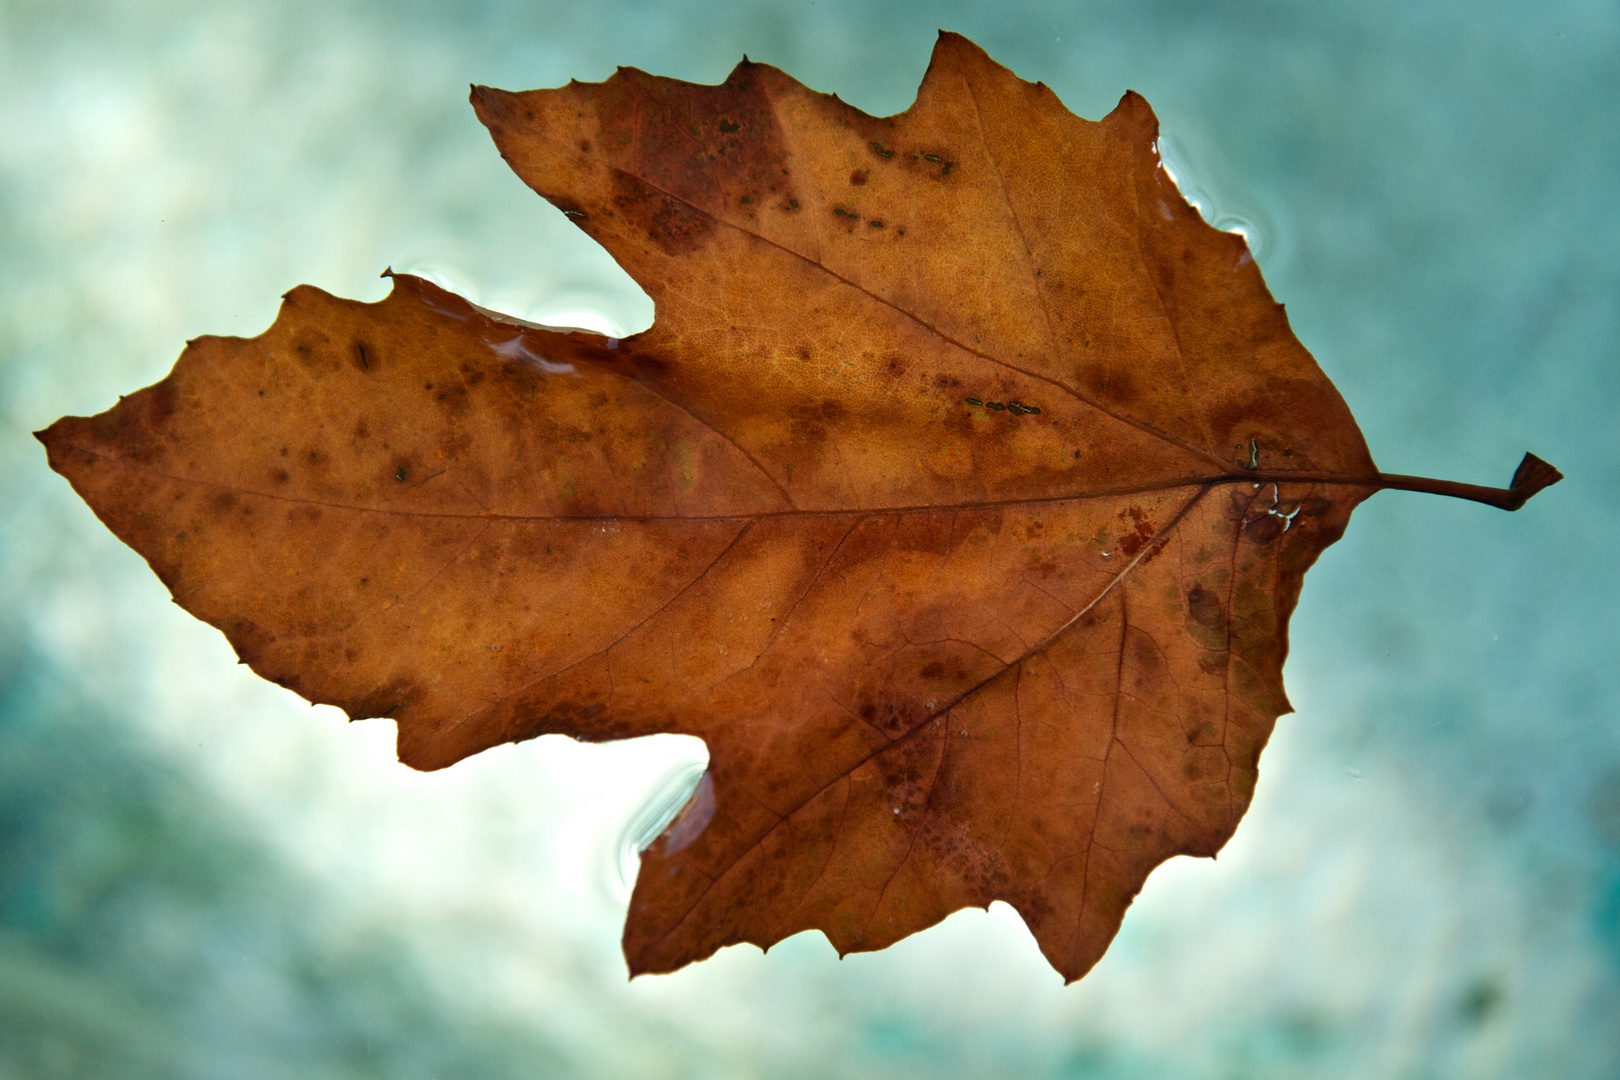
<point x="1531" y="476"/>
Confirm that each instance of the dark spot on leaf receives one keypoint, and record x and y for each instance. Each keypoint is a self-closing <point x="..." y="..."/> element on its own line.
<point x="1204" y="607"/>
<point x="1263" y="530"/>
<point x="674" y="225"/>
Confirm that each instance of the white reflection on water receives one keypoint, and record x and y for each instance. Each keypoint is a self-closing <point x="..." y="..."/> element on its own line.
<point x="1220" y="201"/>
<point x="657" y="810"/>
<point x="617" y="313"/>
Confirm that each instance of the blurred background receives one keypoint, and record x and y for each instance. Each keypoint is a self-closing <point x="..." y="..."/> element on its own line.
<point x="202" y="876"/>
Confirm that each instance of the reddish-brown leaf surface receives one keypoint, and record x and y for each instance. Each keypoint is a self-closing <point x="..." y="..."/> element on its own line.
<point x="957" y="499"/>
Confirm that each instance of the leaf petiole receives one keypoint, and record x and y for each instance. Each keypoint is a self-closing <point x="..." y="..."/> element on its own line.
<point x="1532" y="475"/>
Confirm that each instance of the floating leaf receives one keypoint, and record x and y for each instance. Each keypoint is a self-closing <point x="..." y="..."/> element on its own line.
<point x="958" y="499"/>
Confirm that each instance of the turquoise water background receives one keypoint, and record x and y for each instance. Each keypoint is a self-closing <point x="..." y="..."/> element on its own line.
<point x="203" y="877"/>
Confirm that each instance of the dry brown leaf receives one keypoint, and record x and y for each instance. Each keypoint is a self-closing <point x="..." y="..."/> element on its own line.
<point x="958" y="499"/>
